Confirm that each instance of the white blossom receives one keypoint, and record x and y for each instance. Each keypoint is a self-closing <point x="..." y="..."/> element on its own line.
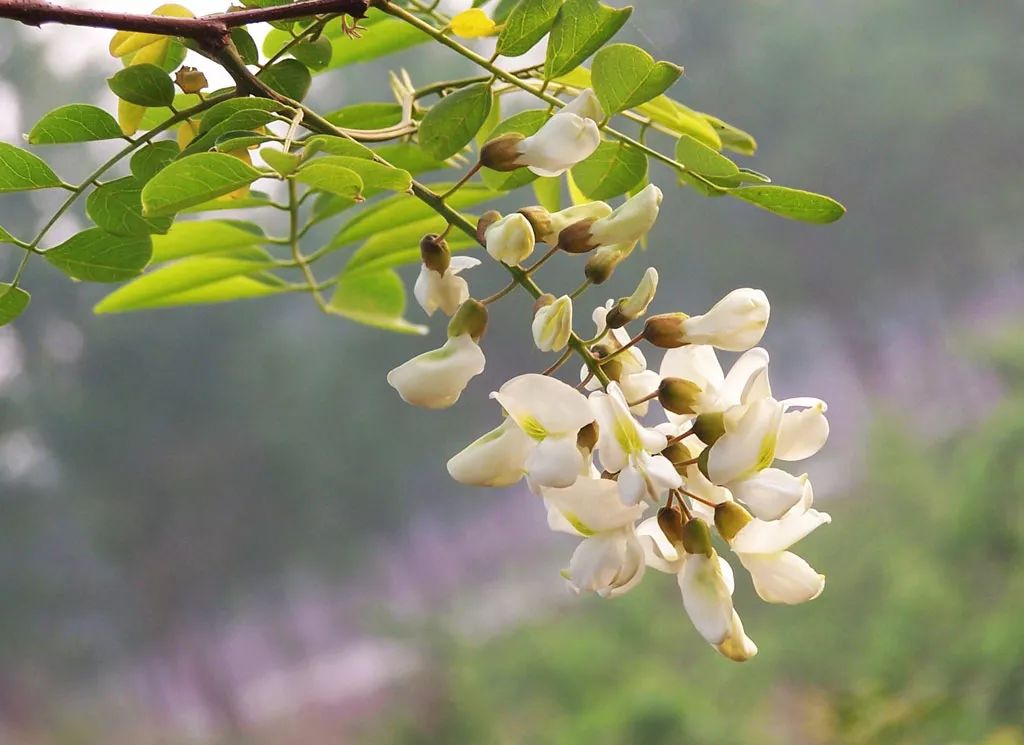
<point x="735" y="323"/>
<point x="445" y="291"/>
<point x="568" y="137"/>
<point x="552" y="325"/>
<point x="436" y="379"/>
<point x="510" y="239"/>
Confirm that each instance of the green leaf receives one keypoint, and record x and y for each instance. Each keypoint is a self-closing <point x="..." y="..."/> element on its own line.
<point x="13" y="300"/>
<point x="370" y="115"/>
<point x="549" y="193"/>
<point x="614" y="168"/>
<point x="282" y="162"/>
<point x="20" y="170"/>
<point x="153" y="288"/>
<point x="176" y="53"/>
<point x="331" y="177"/>
<point x="795" y="204"/>
<point x="374" y="299"/>
<point x="97" y="256"/>
<point x="157" y="115"/>
<point x="75" y="122"/>
<point x="241" y="287"/>
<point x="152" y="159"/>
<point x="336" y="146"/>
<point x="193" y="180"/>
<point x="452" y="122"/>
<point x="409" y="156"/>
<point x="400" y="210"/>
<point x="378" y="40"/>
<point x="375" y="176"/>
<point x="231" y="142"/>
<point x="145" y="85"/>
<point x="288" y="77"/>
<point x="314" y="54"/>
<point x="732" y="137"/>
<point x="253" y="200"/>
<point x="240" y="121"/>
<point x="626" y="76"/>
<point x="699" y="158"/>
<point x="581" y="28"/>
<point x="525" y="25"/>
<point x="245" y="45"/>
<point x="116" y="206"/>
<point x="226" y="109"/>
<point x="202" y="237"/>
<point x="525" y="123"/>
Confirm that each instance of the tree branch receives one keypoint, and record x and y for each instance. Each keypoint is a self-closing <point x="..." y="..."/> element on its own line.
<point x="211" y="31"/>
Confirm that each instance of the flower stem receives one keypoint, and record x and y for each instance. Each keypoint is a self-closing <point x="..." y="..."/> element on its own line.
<point x="559" y="362"/>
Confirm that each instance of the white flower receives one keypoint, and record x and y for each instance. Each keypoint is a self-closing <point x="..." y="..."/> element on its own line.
<point x="770" y="493"/>
<point x="550" y="413"/>
<point x="632" y="451"/>
<point x="552" y="325"/>
<point x="699" y="364"/>
<point x="706" y="584"/>
<point x="445" y="291"/>
<point x="631" y="221"/>
<point x="803" y="431"/>
<point x="498" y="458"/>
<point x="510" y="239"/>
<point x="436" y="379"/>
<point x="632" y="307"/>
<point x="779" y="575"/>
<point x="563" y="141"/>
<point x="735" y="323"/>
<point x="588" y="507"/>
<point x="562" y="219"/>
<point x="586" y="105"/>
<point x="749" y="443"/>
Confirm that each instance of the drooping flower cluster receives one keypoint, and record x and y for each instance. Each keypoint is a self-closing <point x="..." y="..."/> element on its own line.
<point x="641" y="486"/>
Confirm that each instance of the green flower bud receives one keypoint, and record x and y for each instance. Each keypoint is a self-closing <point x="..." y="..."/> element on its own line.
<point x="666" y="330"/>
<point x="632" y="307"/>
<point x="709" y="427"/>
<point x="677" y="452"/>
<point x="670" y="520"/>
<point x="539" y="219"/>
<point x="470" y="318"/>
<point x="435" y="253"/>
<point x="696" y="537"/>
<point x="730" y="519"/>
<point x="678" y="395"/>
<point x="576" y="239"/>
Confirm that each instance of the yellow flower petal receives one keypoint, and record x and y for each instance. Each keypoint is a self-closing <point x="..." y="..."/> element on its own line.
<point x="472" y="23"/>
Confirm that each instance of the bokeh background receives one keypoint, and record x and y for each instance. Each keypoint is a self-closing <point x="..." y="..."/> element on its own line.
<point x="220" y="525"/>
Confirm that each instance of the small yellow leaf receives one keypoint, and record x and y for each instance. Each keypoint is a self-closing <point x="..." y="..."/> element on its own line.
<point x="472" y="24"/>
<point x="126" y="42"/>
<point x="187" y="132"/>
<point x="129" y="115"/>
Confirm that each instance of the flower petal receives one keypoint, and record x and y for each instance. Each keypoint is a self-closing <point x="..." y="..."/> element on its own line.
<point x="555" y="461"/>
<point x="496" y="459"/>
<point x="769" y="537"/>
<point x="706" y="596"/>
<point x="592" y="505"/>
<point x="769" y="493"/>
<point x="802" y="433"/>
<point x="543" y="406"/>
<point x="783" y="577"/>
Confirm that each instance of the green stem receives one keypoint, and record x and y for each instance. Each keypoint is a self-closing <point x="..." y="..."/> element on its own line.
<point x="295" y="243"/>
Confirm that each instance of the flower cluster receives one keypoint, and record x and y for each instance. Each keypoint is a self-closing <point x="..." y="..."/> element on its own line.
<point x="589" y="451"/>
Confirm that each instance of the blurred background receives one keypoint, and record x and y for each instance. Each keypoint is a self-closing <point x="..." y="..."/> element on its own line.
<point x="220" y="525"/>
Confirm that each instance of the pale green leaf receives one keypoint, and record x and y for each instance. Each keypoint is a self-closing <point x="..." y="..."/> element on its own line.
<point x="580" y="29"/>
<point x="374" y="176"/>
<point x="452" y="122"/>
<point x="626" y="76"/>
<point x="75" y="122"/>
<point x="204" y="236"/>
<point x="549" y="193"/>
<point x="374" y="299"/>
<point x="233" y="288"/>
<point x="323" y="175"/>
<point x="369" y="115"/>
<point x="336" y="146"/>
<point x="795" y="204"/>
<point x="13" y="300"/>
<point x="380" y="253"/>
<point x="20" y="170"/>
<point x="193" y="180"/>
<point x="614" y="168"/>
<point x="378" y="40"/>
<point x="701" y="159"/>
<point x="97" y="256"/>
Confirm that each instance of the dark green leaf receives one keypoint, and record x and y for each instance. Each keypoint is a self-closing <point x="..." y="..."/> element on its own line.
<point x="615" y="168"/>
<point x="288" y="77"/>
<point x="452" y="122"/>
<point x="370" y="115"/>
<point x="75" y="122"/>
<point x="626" y="76"/>
<point x="245" y="45"/>
<point x="231" y="142"/>
<point x="375" y="299"/>
<point x="581" y="27"/>
<point x="116" y="206"/>
<point x="792" y="203"/>
<point x="97" y="256"/>
<point x="193" y="180"/>
<point x="314" y="54"/>
<point x="145" y="85"/>
<point x="13" y="300"/>
<point x="525" y="25"/>
<point x="239" y="121"/>
<point x="375" y="176"/>
<point x="20" y="170"/>
<point x="409" y="156"/>
<point x="226" y="109"/>
<point x="155" y="156"/>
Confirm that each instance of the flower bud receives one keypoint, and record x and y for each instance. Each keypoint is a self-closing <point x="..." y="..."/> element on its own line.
<point x="559" y="221"/>
<point x="702" y="462"/>
<point x="730" y="518"/>
<point x="677" y="452"/>
<point x="470" y="318"/>
<point x="435" y="253"/>
<point x="190" y="80"/>
<point x="473" y="24"/>
<point x="696" y="537"/>
<point x="709" y="427"/>
<point x="601" y="264"/>
<point x="632" y="307"/>
<point x="613" y="367"/>
<point x="539" y="219"/>
<point x="678" y="395"/>
<point x="552" y="325"/>
<point x="543" y="301"/>
<point x="502" y="153"/>
<point x="486" y="220"/>
<point x="576" y="239"/>
<point x="670" y="520"/>
<point x="631" y="221"/>
<point x="586" y="438"/>
<point x="510" y="240"/>
<point x="666" y="330"/>
<point x="735" y="323"/>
